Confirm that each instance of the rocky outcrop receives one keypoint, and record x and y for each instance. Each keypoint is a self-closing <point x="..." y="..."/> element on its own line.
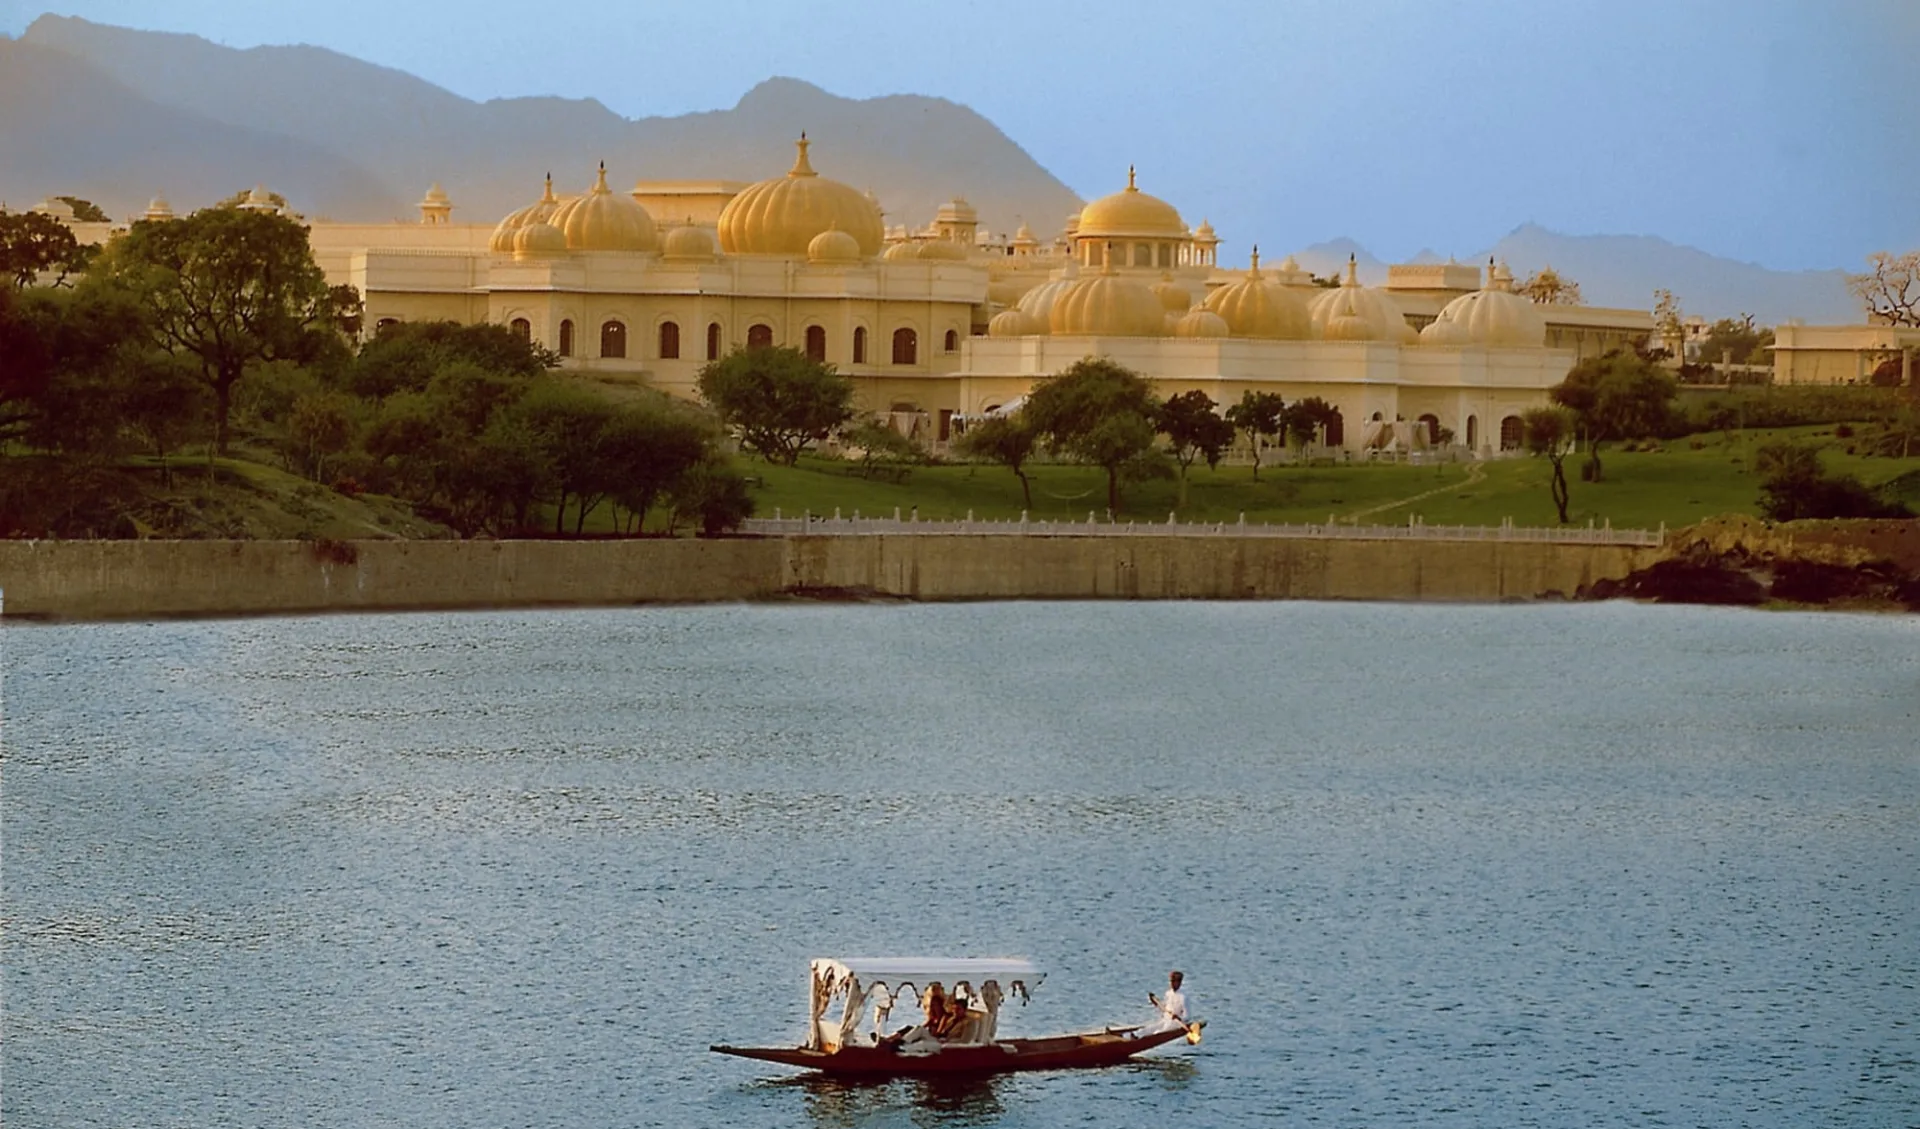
<point x="1745" y="561"/>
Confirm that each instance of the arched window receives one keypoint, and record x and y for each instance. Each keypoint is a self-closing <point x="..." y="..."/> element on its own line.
<point x="1473" y="432"/>
<point x="759" y="336"/>
<point x="669" y="340"/>
<point x="859" y="344"/>
<point x="613" y="340"/>
<point x="566" y="338"/>
<point x="522" y="328"/>
<point x="1336" y="430"/>
<point x="906" y="347"/>
<point x="816" y="343"/>
<point x="713" y="341"/>
<point x="1432" y="423"/>
<point x="1510" y="433"/>
<point x="953" y="341"/>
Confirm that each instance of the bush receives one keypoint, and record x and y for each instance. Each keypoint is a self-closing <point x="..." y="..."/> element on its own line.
<point x="1795" y="486"/>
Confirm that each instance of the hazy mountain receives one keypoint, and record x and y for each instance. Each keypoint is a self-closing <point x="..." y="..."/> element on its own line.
<point x="67" y="128"/>
<point x="913" y="152"/>
<point x="1624" y="270"/>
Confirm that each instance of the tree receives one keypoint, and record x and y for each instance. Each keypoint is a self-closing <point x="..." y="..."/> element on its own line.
<point x="780" y="399"/>
<point x="1794" y="486"/>
<point x="714" y="494"/>
<point x="405" y="356"/>
<point x="1259" y="416"/>
<point x="1890" y="289"/>
<point x="1619" y="395"/>
<point x="1007" y="440"/>
<point x="229" y="289"/>
<point x="1736" y="341"/>
<point x="1099" y="412"/>
<point x="1549" y="432"/>
<point x="32" y="244"/>
<point x="1546" y="287"/>
<point x="572" y="424"/>
<point x="85" y="211"/>
<point x="649" y="446"/>
<point x="1666" y="317"/>
<point x="881" y="447"/>
<point x="1195" y="431"/>
<point x="1305" y="419"/>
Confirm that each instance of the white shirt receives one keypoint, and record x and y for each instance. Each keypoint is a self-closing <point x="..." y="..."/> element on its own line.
<point x="1173" y="1005"/>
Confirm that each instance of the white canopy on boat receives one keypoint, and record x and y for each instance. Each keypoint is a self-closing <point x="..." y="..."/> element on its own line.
<point x="919" y="971"/>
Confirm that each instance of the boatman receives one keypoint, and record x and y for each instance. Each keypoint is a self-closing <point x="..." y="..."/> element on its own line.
<point x="1173" y="1007"/>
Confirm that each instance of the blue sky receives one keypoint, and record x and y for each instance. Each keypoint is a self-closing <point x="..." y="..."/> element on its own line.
<point x="1785" y="133"/>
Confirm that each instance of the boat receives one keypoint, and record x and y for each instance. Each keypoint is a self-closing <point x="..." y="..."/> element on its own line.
<point x="851" y="1040"/>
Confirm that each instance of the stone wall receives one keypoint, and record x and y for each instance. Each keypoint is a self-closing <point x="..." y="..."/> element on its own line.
<point x="139" y="579"/>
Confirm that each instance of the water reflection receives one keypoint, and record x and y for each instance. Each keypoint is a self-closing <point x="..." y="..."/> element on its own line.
<point x="846" y="1102"/>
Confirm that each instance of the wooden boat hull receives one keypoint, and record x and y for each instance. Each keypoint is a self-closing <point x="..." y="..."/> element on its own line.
<point x="1063" y="1052"/>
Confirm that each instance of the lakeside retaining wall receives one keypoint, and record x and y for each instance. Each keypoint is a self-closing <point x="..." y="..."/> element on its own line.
<point x="152" y="579"/>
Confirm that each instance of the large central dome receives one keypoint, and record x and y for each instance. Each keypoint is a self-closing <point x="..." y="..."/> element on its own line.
<point x="1131" y="213"/>
<point x="781" y="216"/>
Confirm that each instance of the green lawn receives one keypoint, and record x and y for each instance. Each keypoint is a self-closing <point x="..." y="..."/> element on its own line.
<point x="1677" y="485"/>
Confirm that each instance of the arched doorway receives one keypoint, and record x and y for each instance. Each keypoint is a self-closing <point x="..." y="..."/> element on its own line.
<point x="522" y="328"/>
<point x="669" y="340"/>
<point x="816" y="343"/>
<point x="906" y="346"/>
<point x="759" y="336"/>
<point x="1511" y="433"/>
<point x="613" y="340"/>
<point x="713" y="341"/>
<point x="1432" y="423"/>
<point x="1473" y="433"/>
<point x="1336" y="430"/>
<point x="566" y="338"/>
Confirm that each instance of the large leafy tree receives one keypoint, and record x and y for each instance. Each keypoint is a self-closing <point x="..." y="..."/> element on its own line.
<point x="1100" y="412"/>
<point x="1195" y="431"/>
<point x="230" y="289"/>
<point x="406" y="356"/>
<point x="1007" y="440"/>
<point x="1620" y="395"/>
<point x="1259" y="416"/>
<point x="780" y="399"/>
<point x="1549" y="432"/>
<point x="649" y="447"/>
<point x="1304" y="420"/>
<point x="32" y="244"/>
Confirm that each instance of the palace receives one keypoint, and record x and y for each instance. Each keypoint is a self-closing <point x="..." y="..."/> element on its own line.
<point x="946" y="320"/>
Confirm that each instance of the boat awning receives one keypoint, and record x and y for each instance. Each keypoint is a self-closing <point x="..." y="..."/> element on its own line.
<point x="921" y="970"/>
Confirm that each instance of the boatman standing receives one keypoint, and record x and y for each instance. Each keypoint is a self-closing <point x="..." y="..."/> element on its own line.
<point x="1173" y="1006"/>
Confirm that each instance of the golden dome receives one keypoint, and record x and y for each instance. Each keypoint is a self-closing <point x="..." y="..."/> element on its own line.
<point x="1204" y="233"/>
<point x="1255" y="307"/>
<point x="158" y="209"/>
<point x="539" y="211"/>
<point x="1496" y="316"/>
<point x="1025" y="237"/>
<point x="1107" y="305"/>
<point x="436" y="195"/>
<point x="605" y="220"/>
<point x="943" y="250"/>
<point x="833" y="246"/>
<point x="687" y="242"/>
<point x="1175" y="297"/>
<point x="1038" y="302"/>
<point x="781" y="216"/>
<point x="539" y="239"/>
<point x="904" y="252"/>
<point x="1374" y="316"/>
<point x="1131" y="212"/>
<point x="1201" y="322"/>
<point x="1015" y="323"/>
<point x="1445" y="332"/>
<point x="1007" y="290"/>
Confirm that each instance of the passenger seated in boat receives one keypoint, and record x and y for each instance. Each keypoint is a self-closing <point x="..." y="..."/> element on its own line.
<point x="963" y="1024"/>
<point x="935" y="1005"/>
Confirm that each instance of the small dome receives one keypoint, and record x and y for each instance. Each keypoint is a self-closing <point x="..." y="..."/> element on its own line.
<point x="687" y="242"/>
<point x="539" y="240"/>
<point x="436" y="196"/>
<point x="956" y="210"/>
<point x="902" y="253"/>
<point x="1130" y="212"/>
<point x="1375" y="316"/>
<point x="1107" y="305"/>
<point x="1175" y="297"/>
<point x="158" y="209"/>
<point x="1201" y="322"/>
<point x="1038" y="302"/>
<point x="1073" y="224"/>
<point x="1015" y="323"/>
<point x="1495" y="317"/>
<point x="781" y="216"/>
<point x="1204" y="233"/>
<point x="1445" y="332"/>
<point x="1256" y="307"/>
<point x="833" y="246"/>
<point x="604" y="220"/>
<point x="942" y="250"/>
<point x="539" y="211"/>
<point x="259" y="200"/>
<point x="1025" y="237"/>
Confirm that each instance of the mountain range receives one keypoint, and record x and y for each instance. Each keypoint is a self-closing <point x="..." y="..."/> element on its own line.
<point x="117" y="115"/>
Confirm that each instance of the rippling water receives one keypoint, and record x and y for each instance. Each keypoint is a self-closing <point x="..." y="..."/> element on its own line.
<point x="1476" y="866"/>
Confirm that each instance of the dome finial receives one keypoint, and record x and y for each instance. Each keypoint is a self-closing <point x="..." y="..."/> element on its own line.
<point x="1353" y="271"/>
<point x="801" y="166"/>
<point x="600" y="186"/>
<point x="547" y="197"/>
<point x="1254" y="270"/>
<point x="1130" y="186"/>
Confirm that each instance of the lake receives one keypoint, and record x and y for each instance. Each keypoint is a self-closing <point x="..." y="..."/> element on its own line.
<point x="1555" y="865"/>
